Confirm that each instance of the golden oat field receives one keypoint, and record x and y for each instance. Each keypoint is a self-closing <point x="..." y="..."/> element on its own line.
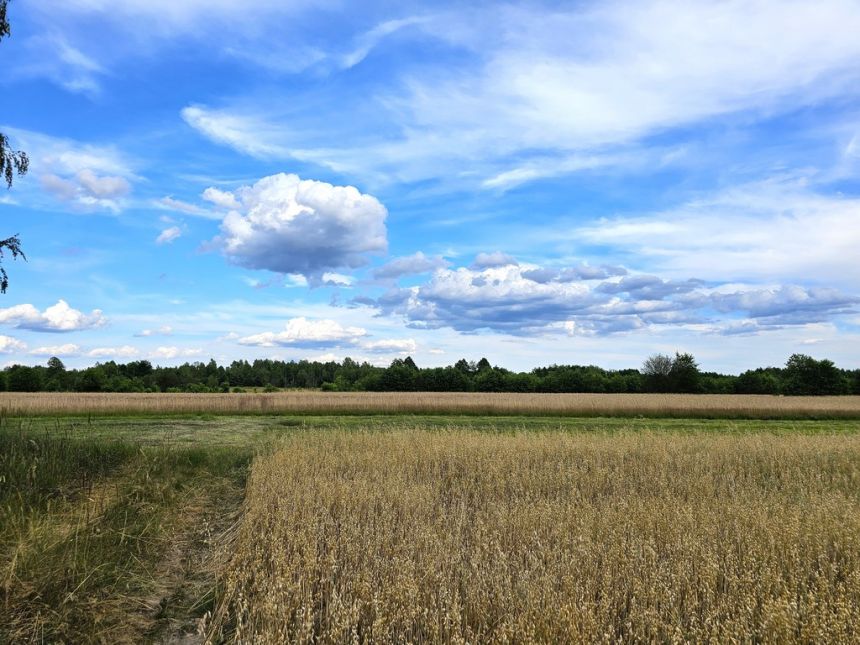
<point x="459" y="537"/>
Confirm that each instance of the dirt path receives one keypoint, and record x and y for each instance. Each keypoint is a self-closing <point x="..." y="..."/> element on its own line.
<point x="185" y="577"/>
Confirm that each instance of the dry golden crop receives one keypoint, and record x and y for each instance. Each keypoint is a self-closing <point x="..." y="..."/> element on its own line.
<point x="314" y="402"/>
<point x="414" y="536"/>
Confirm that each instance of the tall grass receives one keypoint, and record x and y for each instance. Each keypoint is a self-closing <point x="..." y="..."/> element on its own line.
<point x="460" y="537"/>
<point x="84" y="526"/>
<point x="311" y="402"/>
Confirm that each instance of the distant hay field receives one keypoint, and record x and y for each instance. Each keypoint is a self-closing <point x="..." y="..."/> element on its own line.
<point x="314" y="402"/>
<point x="553" y="538"/>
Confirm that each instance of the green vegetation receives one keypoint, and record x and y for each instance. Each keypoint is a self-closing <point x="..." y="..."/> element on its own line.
<point x="802" y="375"/>
<point x="100" y="537"/>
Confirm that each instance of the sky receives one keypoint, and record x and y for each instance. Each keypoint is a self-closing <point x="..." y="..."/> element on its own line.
<point x="534" y="182"/>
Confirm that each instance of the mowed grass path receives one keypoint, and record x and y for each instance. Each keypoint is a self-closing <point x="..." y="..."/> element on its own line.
<point x="131" y="529"/>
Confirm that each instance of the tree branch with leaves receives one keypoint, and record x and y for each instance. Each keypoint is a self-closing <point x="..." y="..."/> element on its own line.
<point x="11" y="162"/>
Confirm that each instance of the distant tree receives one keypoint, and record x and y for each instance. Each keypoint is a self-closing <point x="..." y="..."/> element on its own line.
<point x="55" y="366"/>
<point x="483" y="365"/>
<point x="464" y="366"/>
<point x="806" y="375"/>
<point x="759" y="381"/>
<point x="24" y="379"/>
<point x="399" y="376"/>
<point x="684" y="374"/>
<point x="11" y="162"/>
<point x="656" y="370"/>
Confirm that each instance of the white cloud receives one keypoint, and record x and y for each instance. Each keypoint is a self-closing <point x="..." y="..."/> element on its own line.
<point x="168" y="235"/>
<point x="180" y="206"/>
<point x="295" y="280"/>
<point x="414" y="264"/>
<point x="87" y="176"/>
<point x="336" y="279"/>
<point x="164" y="330"/>
<point x="290" y="225"/>
<point x="68" y="349"/>
<point x="9" y="345"/>
<point x="399" y="345"/>
<point x="301" y="332"/>
<point x="370" y="39"/>
<point x="540" y="92"/>
<point x="773" y="230"/>
<point x="170" y="352"/>
<point x="88" y="190"/>
<point x="221" y="198"/>
<point x="494" y="259"/>
<point x="57" y="318"/>
<point x="524" y="299"/>
<point x="615" y="72"/>
<point x="250" y="135"/>
<point x="125" y="351"/>
<point x="51" y="56"/>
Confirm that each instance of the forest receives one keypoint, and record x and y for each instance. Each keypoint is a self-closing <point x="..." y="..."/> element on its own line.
<point x="801" y="375"/>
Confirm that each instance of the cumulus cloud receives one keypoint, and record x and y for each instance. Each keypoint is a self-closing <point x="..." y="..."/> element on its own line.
<point x="87" y="190"/>
<point x="301" y="332"/>
<point x="572" y="274"/>
<point x="57" y="318"/>
<point x="221" y="198"/>
<point x="336" y="279"/>
<point x="494" y="259"/>
<point x="289" y="225"/>
<point x="87" y="177"/>
<point x="9" y="345"/>
<point x="414" y="264"/>
<point x="168" y="235"/>
<point x="125" y="351"/>
<point x="528" y="299"/>
<point x="68" y="349"/>
<point x="787" y="303"/>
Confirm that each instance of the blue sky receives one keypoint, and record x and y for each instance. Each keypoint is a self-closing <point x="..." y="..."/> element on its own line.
<point x="580" y="182"/>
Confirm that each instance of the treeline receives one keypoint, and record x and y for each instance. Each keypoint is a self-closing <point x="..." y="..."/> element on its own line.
<point x="801" y="375"/>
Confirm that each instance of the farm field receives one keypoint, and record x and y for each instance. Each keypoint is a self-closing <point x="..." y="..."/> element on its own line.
<point x="435" y="403"/>
<point x="434" y="528"/>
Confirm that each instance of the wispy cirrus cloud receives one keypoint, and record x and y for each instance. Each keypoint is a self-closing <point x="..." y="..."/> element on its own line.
<point x="777" y="229"/>
<point x="542" y="92"/>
